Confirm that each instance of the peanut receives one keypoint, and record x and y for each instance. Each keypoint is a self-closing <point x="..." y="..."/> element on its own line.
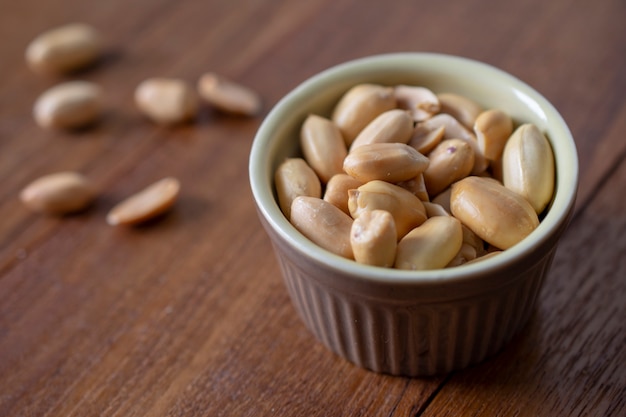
<point x="373" y="238"/>
<point x="149" y="203"/>
<point x="337" y="189"/>
<point x="392" y="162"/>
<point x="460" y="107"/>
<point x="166" y="101"/>
<point x="434" y="209"/>
<point x="493" y="128"/>
<point x="496" y="214"/>
<point x="450" y="161"/>
<point x="432" y="245"/>
<point x="64" y="49"/>
<point x="528" y="166"/>
<point x="420" y="101"/>
<point x="228" y="96"/>
<point x="323" y="146"/>
<point x="69" y="105"/>
<point x="390" y="126"/>
<point x="483" y="257"/>
<point x="424" y="139"/>
<point x="455" y="130"/>
<point x="464" y="255"/>
<point x="359" y="106"/>
<point x="323" y="223"/>
<point x="407" y="210"/>
<point x="60" y="193"/>
<point x="417" y="186"/>
<point x="293" y="178"/>
<point x="443" y="199"/>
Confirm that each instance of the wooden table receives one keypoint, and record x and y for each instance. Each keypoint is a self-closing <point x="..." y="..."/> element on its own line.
<point x="188" y="315"/>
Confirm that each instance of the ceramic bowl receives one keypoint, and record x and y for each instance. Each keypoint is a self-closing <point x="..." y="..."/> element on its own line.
<point x="406" y="322"/>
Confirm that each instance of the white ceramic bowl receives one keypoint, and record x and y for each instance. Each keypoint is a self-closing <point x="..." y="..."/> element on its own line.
<point x="406" y="322"/>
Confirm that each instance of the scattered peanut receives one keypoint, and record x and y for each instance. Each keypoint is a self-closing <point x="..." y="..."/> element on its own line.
<point x="528" y="166"/>
<point x="70" y="105"/>
<point x="293" y="178"/>
<point x="373" y="238"/>
<point x="166" y="101"/>
<point x="60" y="193"/>
<point x="323" y="146"/>
<point x="149" y="203"/>
<point x="64" y="49"/>
<point x="229" y="96"/>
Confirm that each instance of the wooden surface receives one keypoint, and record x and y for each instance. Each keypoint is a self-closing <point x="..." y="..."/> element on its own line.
<point x="188" y="316"/>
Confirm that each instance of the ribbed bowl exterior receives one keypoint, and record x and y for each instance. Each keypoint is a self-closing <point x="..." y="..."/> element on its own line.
<point x="410" y="338"/>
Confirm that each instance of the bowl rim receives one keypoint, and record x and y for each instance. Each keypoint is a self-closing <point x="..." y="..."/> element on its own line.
<point x="554" y="222"/>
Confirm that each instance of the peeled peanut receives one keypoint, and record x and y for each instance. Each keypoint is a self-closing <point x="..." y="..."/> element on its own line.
<point x="147" y="204"/>
<point x="323" y="146"/>
<point x="166" y="101"/>
<point x="453" y="129"/>
<point x="434" y="209"/>
<point x="60" y="193"/>
<point x="483" y="257"/>
<point x="337" y="188"/>
<point x="293" y="178"/>
<point x="70" y="105"/>
<point x="430" y="246"/>
<point x="493" y="128"/>
<point x="450" y="161"/>
<point x="390" y="126"/>
<point x="417" y="186"/>
<point x="392" y="162"/>
<point x="443" y="199"/>
<point x="323" y="223"/>
<point x="424" y="139"/>
<point x="498" y="215"/>
<point x="64" y="49"/>
<point x="373" y="238"/>
<point x="407" y="210"/>
<point x="420" y="101"/>
<point x="472" y="239"/>
<point x="228" y="96"/>
<point x="464" y="255"/>
<point x="528" y="166"/>
<point x="460" y="107"/>
<point x="359" y="106"/>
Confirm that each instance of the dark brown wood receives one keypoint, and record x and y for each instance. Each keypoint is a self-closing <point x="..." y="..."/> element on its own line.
<point x="188" y="315"/>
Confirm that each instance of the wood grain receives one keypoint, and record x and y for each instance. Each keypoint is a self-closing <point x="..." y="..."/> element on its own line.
<point x="188" y="314"/>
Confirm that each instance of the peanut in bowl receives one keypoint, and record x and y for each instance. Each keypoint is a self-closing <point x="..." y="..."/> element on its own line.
<point x="403" y="322"/>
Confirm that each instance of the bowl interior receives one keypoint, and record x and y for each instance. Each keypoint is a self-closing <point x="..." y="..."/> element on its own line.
<point x="278" y="138"/>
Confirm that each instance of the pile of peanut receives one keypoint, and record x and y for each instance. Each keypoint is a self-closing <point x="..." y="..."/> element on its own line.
<point x="78" y="104"/>
<point x="402" y="177"/>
